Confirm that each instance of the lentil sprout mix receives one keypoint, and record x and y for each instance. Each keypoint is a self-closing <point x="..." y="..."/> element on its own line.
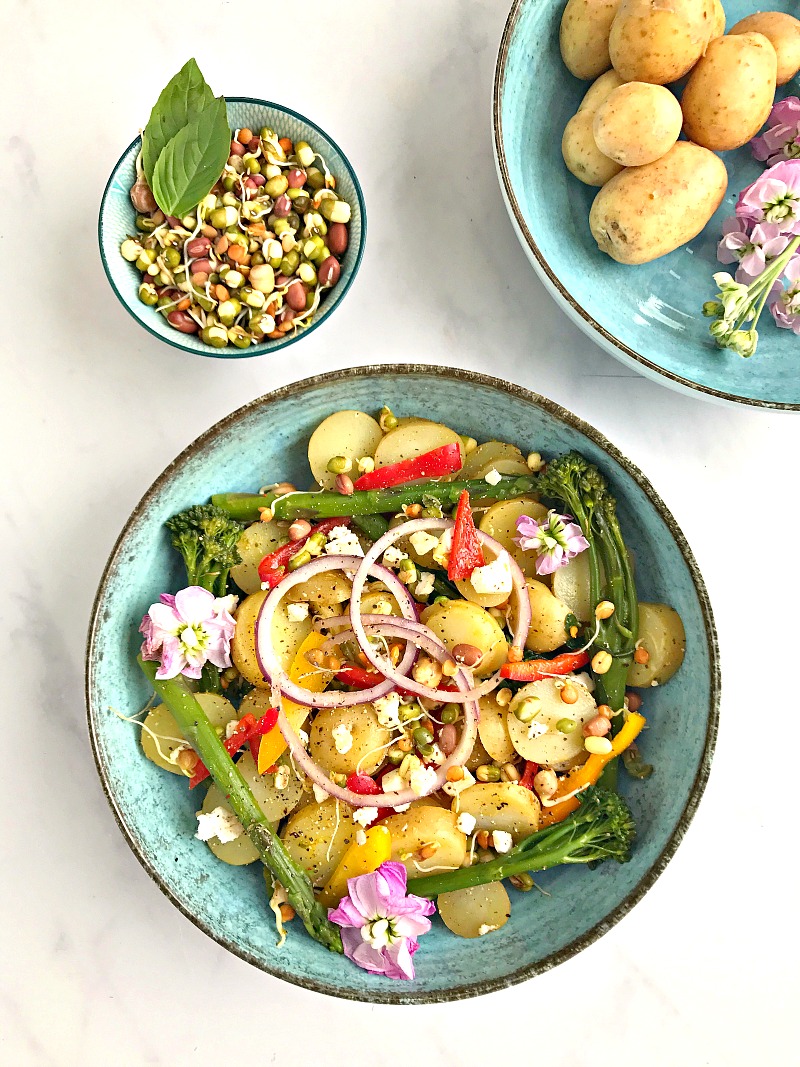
<point x="257" y="255"/>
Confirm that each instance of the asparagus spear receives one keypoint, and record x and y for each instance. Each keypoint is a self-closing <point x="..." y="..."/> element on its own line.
<point x="198" y="731"/>
<point x="325" y="505"/>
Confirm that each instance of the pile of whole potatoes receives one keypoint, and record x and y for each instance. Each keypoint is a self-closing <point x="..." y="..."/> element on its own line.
<point x="657" y="192"/>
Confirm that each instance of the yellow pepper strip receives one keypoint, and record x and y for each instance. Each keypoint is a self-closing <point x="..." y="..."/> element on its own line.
<point x="302" y="673"/>
<point x="588" y="773"/>
<point x="358" y="859"/>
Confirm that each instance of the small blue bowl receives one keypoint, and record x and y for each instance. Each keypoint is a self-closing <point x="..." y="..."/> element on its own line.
<point x="649" y="316"/>
<point x="268" y="439"/>
<point x="117" y="221"/>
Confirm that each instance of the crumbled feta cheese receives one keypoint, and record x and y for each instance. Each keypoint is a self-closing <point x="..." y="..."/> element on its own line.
<point x="297" y="612"/>
<point x="402" y="807"/>
<point x="303" y="736"/>
<point x="393" y="556"/>
<point x="502" y="841"/>
<point x="231" y="728"/>
<point x="424" y="586"/>
<point x="282" y="777"/>
<point x="319" y="793"/>
<point x="437" y="756"/>
<point x="454" y="788"/>
<point x="361" y="836"/>
<point x="393" y="782"/>
<point x="387" y="710"/>
<point x="493" y="477"/>
<point x="422" y="780"/>
<point x="495" y="577"/>
<point x="423" y="542"/>
<point x="486" y="928"/>
<point x="342" y="738"/>
<point x="441" y="554"/>
<point x="536" y="729"/>
<point x="220" y="823"/>
<point x="343" y="542"/>
<point x="466" y="823"/>
<point x="364" y="816"/>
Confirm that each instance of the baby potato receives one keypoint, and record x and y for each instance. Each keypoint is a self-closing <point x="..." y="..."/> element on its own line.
<point x="585" y="28"/>
<point x="661" y="633"/>
<point x="659" y="42"/>
<point x="548" y="619"/>
<point x="323" y="591"/>
<point x="501" y="806"/>
<point x="414" y="439"/>
<point x="161" y="722"/>
<point x="500" y="522"/>
<point x="257" y="541"/>
<point x="351" y="434"/>
<point x="600" y="90"/>
<point x="646" y="212"/>
<point x="571" y="585"/>
<point x="493" y="731"/>
<point x="718" y="21"/>
<point x="460" y="623"/>
<point x="476" y="910"/>
<point x="581" y="155"/>
<point x="637" y="123"/>
<point x="369" y="739"/>
<point x="554" y="748"/>
<point x="287" y="636"/>
<point x="317" y="836"/>
<point x="421" y="825"/>
<point x="494" y="455"/>
<point x="730" y="92"/>
<point x="783" y="33"/>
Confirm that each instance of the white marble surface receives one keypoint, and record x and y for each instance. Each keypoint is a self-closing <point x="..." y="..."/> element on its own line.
<point x="97" y="966"/>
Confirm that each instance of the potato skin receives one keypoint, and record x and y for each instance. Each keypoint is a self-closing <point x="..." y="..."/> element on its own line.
<point x="585" y="27"/>
<point x="659" y="42"/>
<point x="729" y="94"/>
<point x="646" y="212"/>
<point x="582" y="157"/>
<point x="637" y="123"/>
<point x="783" y="33"/>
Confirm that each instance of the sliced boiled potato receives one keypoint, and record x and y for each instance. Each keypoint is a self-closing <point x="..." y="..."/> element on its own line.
<point x="501" y="806"/>
<point x="553" y="748"/>
<point x="500" y="522"/>
<point x="287" y="636"/>
<point x="478" y="757"/>
<point x="493" y="731"/>
<point x="571" y="586"/>
<point x="317" y="836"/>
<point x="662" y="634"/>
<point x="379" y="601"/>
<point x="475" y="911"/>
<point x="461" y="623"/>
<point x="352" y="434"/>
<point x="367" y="745"/>
<point x="421" y="825"/>
<point x="161" y="722"/>
<point x="238" y="852"/>
<point x="494" y="455"/>
<point x="257" y="541"/>
<point x="414" y="439"/>
<point x="322" y="591"/>
<point x="548" y="619"/>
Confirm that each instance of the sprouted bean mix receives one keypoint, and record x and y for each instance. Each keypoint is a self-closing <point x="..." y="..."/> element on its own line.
<point x="415" y="702"/>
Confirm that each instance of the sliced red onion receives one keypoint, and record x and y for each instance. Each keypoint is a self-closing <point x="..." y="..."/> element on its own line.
<point x="272" y="669"/>
<point x="458" y="757"/>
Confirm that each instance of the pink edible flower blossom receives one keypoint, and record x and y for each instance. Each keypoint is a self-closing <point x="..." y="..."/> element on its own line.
<point x="774" y="197"/>
<point x="381" y="923"/>
<point x="781" y="140"/>
<point x="752" y="251"/>
<point x="185" y="631"/>
<point x="556" y="541"/>
<point x="786" y="308"/>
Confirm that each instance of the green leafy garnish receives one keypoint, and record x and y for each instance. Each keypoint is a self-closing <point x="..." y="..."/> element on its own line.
<point x="186" y="142"/>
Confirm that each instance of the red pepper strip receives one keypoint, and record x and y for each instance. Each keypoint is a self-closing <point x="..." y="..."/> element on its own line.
<point x="533" y="670"/>
<point x="273" y="567"/>
<point x="249" y="727"/>
<point x="358" y="678"/>
<point x="433" y="464"/>
<point x="465" y="553"/>
<point x="529" y="774"/>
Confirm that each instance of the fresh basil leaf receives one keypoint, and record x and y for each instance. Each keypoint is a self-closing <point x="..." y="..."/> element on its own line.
<point x="181" y="100"/>
<point x="193" y="160"/>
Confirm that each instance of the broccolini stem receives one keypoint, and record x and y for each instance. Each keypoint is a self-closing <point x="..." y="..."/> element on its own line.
<point x="197" y="730"/>
<point x="327" y="505"/>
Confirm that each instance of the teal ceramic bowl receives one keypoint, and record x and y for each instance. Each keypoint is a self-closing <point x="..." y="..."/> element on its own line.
<point x="117" y="221"/>
<point x="267" y="440"/>
<point x="649" y="316"/>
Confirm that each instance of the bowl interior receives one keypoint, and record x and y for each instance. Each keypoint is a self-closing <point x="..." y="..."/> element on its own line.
<point x="117" y="221"/>
<point x="265" y="442"/>
<point x="649" y="316"/>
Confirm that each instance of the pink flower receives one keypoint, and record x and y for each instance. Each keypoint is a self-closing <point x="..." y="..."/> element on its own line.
<point x="786" y="308"/>
<point x="556" y="541"/>
<point x="185" y="631"/>
<point x="781" y="140"/>
<point x="752" y="251"/>
<point x="774" y="197"/>
<point x="380" y="923"/>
